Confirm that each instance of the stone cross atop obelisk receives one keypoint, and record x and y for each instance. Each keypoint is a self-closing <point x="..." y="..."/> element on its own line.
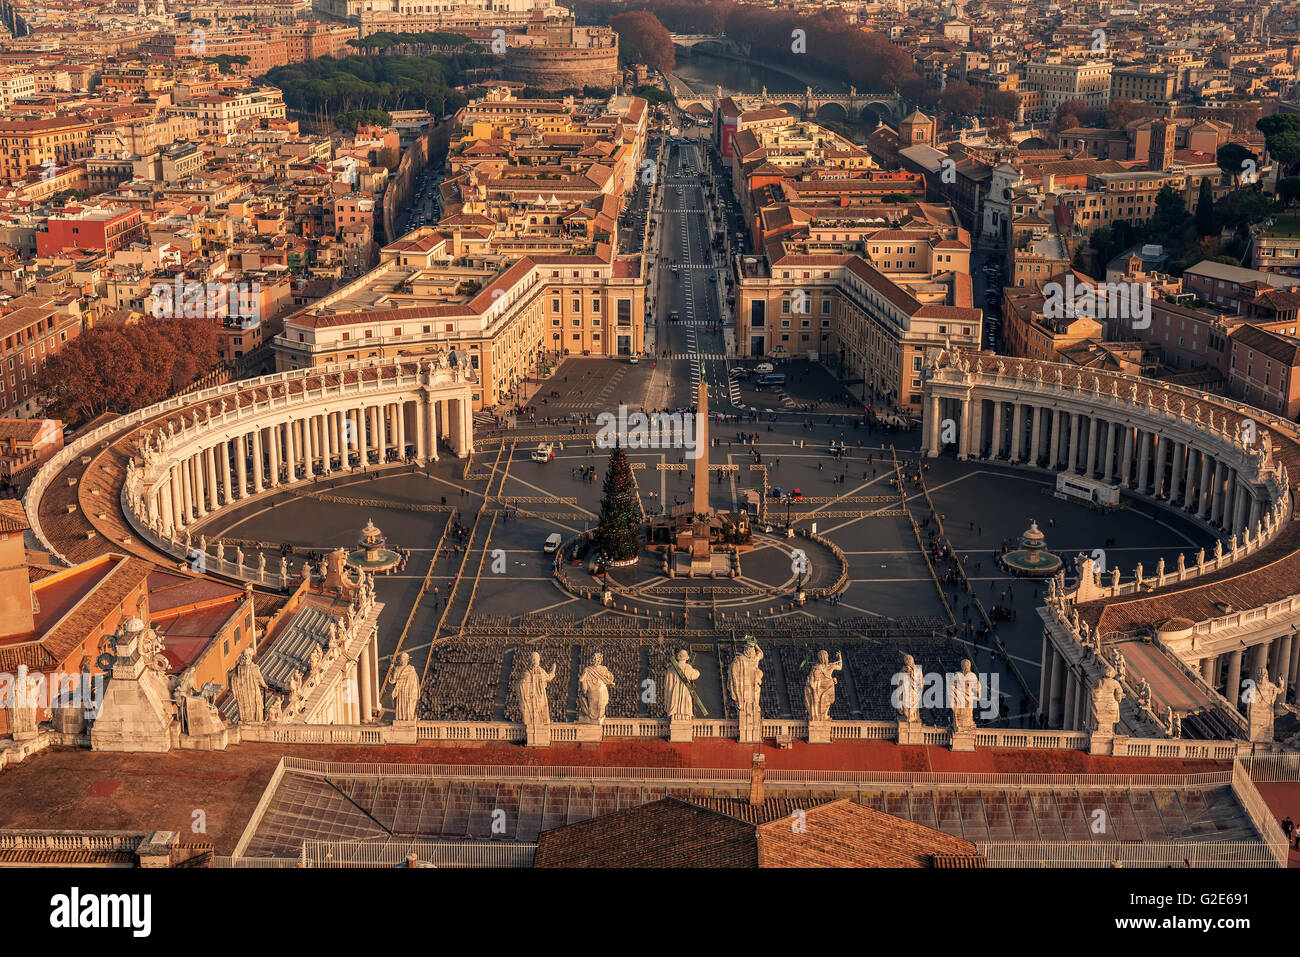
<point x="702" y="449"/>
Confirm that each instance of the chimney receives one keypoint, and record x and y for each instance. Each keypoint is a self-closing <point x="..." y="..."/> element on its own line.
<point x="757" y="792"/>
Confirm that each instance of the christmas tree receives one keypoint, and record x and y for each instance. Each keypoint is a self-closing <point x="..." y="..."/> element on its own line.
<point x="618" y="532"/>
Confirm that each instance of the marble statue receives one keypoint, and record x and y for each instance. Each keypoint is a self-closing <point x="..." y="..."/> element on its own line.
<point x="678" y="702"/>
<point x="261" y="564"/>
<point x="964" y="695"/>
<point x="1259" y="697"/>
<point x="406" y="688"/>
<point x="745" y="682"/>
<point x="532" y="694"/>
<point x="284" y="567"/>
<point x="24" y="703"/>
<point x="593" y="691"/>
<point x="1103" y="711"/>
<point x="248" y="687"/>
<point x="239" y="556"/>
<point x="910" y="683"/>
<point x="819" y="689"/>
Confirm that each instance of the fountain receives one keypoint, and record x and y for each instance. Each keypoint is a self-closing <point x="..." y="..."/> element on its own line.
<point x="371" y="555"/>
<point x="1032" y="559"/>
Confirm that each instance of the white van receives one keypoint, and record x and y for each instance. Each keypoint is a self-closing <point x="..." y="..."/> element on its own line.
<point x="764" y="367"/>
<point x="552" y="543"/>
<point x="544" y="452"/>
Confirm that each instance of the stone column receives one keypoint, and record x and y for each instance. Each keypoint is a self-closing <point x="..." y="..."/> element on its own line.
<point x="1229" y="498"/>
<point x="363" y="685"/>
<point x="1242" y="503"/>
<point x="1189" y="478"/>
<point x="200" y="482"/>
<point x="241" y="466"/>
<point x="1126" y="458"/>
<point x="273" y="442"/>
<point x="1035" y="436"/>
<point x="467" y="429"/>
<point x="224" y="450"/>
<point x="976" y="445"/>
<point x="995" y="442"/>
<point x="1177" y="450"/>
<point x="1293" y="666"/>
<point x="1205" y="491"/>
<point x="187" y="491"/>
<point x="1162" y="454"/>
<point x="210" y="460"/>
<point x="399" y="413"/>
<point x="1091" y="462"/>
<point x="1076" y="423"/>
<point x="381" y="432"/>
<point x="1217" y="492"/>
<point x="177" y="497"/>
<point x="1144" y="461"/>
<point x="1044" y="673"/>
<point x="1207" y="670"/>
<point x="1281" y="669"/>
<point x="259" y="466"/>
<point x="1232" y="684"/>
<point x="434" y="434"/>
<point x="932" y="426"/>
<point x="1017" y="431"/>
<point x="372" y="650"/>
<point x="1108" y="468"/>
<point x="964" y="439"/>
<point x="1254" y="513"/>
<point x="1056" y="707"/>
<point x="1071" y="690"/>
<point x="421" y="431"/>
<point x="1054" y="451"/>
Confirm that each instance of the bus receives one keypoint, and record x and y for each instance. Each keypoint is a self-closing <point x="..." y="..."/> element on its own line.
<point x="1079" y="488"/>
<point x="772" y="378"/>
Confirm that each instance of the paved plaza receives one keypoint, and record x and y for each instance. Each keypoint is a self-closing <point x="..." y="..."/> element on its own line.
<point x="477" y="586"/>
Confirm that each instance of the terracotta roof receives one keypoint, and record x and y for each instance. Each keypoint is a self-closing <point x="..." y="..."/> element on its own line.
<point x="13" y="518"/>
<point x="729" y="832"/>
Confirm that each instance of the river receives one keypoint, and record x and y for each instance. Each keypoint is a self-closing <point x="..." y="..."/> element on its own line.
<point x="704" y="72"/>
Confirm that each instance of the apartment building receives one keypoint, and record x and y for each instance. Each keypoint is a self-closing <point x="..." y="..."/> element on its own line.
<point x="1061" y="80"/>
<point x="27" y="144"/>
<point x="32" y="328"/>
<point x="1150" y="83"/>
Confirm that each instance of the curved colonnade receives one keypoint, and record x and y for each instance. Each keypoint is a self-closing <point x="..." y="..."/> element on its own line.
<point x="1217" y="462"/>
<point x="171" y="466"/>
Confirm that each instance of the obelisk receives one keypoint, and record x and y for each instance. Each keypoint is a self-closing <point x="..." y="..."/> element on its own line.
<point x="702" y="448"/>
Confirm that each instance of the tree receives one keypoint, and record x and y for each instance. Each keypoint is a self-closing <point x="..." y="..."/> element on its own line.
<point x="648" y="38"/>
<point x="1205" y="208"/>
<point x="1121" y="113"/>
<point x="1004" y="104"/>
<point x="618" y="532"/>
<point x="1234" y="159"/>
<point x="1288" y="189"/>
<point x="1073" y="113"/>
<point x="123" y="368"/>
<point x="961" y="98"/>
